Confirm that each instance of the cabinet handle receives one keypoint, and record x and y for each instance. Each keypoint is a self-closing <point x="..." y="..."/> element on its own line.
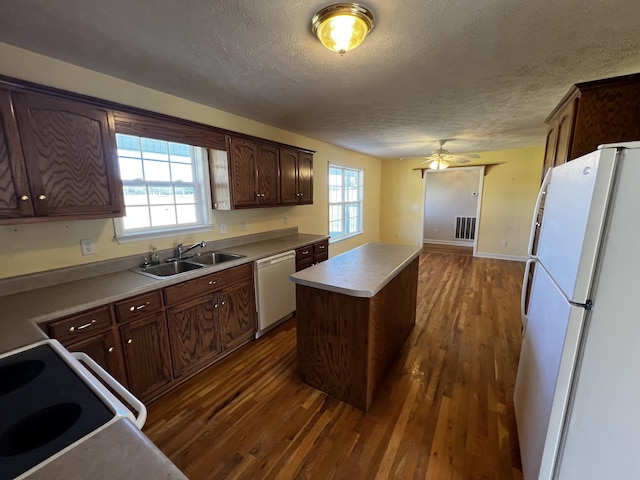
<point x="213" y="282"/>
<point x="223" y="302"/>
<point x="139" y="307"/>
<point x="130" y="341"/>
<point x="24" y="198"/>
<point x="305" y="252"/>
<point x="110" y="349"/>
<point x="321" y="247"/>
<point x="82" y="327"/>
<point x="215" y="305"/>
<point x="42" y="197"/>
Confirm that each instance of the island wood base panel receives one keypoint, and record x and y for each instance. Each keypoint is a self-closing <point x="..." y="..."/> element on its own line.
<point x="346" y="344"/>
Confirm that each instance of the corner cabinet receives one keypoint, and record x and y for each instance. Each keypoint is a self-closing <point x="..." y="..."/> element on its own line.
<point x="592" y="114"/>
<point x="57" y="159"/>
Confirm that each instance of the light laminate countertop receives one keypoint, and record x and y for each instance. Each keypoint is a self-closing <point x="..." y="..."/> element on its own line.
<point x="360" y="272"/>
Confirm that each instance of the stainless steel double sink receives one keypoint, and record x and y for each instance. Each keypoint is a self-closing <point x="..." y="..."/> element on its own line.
<point x="195" y="262"/>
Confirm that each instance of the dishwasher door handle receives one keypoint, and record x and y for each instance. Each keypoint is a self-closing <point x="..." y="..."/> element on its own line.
<point x="276" y="259"/>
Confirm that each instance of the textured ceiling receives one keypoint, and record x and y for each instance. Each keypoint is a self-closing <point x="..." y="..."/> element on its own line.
<point x="485" y="73"/>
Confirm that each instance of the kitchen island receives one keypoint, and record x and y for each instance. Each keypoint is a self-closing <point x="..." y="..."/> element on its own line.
<point x="354" y="313"/>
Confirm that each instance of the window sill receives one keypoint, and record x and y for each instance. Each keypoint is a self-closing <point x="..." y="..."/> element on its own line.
<point x="344" y="237"/>
<point x="174" y="232"/>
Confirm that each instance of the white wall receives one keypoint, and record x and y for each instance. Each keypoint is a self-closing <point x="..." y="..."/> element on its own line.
<point x="448" y="194"/>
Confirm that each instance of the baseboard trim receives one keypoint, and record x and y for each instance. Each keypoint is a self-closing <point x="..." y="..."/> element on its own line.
<point x="455" y="243"/>
<point x="497" y="256"/>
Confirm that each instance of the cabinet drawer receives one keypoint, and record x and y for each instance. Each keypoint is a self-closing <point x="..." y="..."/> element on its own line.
<point x="304" y="252"/>
<point x="209" y="283"/>
<point x="82" y="325"/>
<point x="321" y="248"/>
<point x="138" y="307"/>
<point x="320" y="257"/>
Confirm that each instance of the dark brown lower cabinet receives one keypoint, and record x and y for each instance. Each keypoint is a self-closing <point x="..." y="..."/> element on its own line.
<point x="163" y="337"/>
<point x="193" y="334"/>
<point x="237" y="314"/>
<point x="146" y="353"/>
<point x="105" y="350"/>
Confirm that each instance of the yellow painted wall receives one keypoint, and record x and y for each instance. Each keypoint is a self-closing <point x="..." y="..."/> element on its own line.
<point x="508" y="199"/>
<point x="30" y="248"/>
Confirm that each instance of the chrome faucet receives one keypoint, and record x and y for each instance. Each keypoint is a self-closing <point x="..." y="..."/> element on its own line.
<point x="180" y="250"/>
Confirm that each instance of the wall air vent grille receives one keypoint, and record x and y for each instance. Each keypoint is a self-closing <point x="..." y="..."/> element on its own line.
<point x="465" y="228"/>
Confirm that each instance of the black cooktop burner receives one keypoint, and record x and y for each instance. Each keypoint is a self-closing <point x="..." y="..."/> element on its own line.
<point x="44" y="407"/>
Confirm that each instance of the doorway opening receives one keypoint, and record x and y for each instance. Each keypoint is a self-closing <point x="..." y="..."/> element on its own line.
<point x="452" y="200"/>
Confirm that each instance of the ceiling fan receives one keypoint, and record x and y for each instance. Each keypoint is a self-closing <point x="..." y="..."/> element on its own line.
<point x="441" y="158"/>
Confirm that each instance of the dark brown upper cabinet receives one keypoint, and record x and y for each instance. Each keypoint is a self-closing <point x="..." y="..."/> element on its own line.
<point x="254" y="173"/>
<point x="592" y="114"/>
<point x="57" y="159"/>
<point x="296" y="177"/>
<point x="15" y="195"/>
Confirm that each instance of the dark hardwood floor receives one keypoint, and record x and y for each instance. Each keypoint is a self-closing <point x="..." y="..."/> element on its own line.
<point x="444" y="411"/>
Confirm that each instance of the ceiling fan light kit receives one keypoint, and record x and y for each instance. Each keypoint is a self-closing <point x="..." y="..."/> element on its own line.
<point x="343" y="26"/>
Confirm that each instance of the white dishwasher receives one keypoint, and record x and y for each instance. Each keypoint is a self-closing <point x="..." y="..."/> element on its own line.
<point x="276" y="292"/>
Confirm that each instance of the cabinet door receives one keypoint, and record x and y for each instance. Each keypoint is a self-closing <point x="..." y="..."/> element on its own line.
<point x="105" y="350"/>
<point x="15" y="197"/>
<point x="243" y="172"/>
<point x="305" y="178"/>
<point x="237" y="313"/>
<point x="70" y="154"/>
<point x="193" y="334"/>
<point x="565" y="133"/>
<point x="288" y="176"/>
<point x="146" y="353"/>
<point x="268" y="165"/>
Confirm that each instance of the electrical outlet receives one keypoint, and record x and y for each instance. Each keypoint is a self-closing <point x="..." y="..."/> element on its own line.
<point x="88" y="246"/>
<point x="504" y="243"/>
<point x="243" y="224"/>
<point x="286" y="220"/>
<point x="223" y="228"/>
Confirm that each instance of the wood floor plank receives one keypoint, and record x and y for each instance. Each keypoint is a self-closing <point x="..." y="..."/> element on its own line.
<point x="444" y="410"/>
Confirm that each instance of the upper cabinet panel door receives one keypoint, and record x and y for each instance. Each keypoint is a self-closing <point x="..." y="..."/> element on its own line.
<point x="305" y="178"/>
<point x="288" y="176"/>
<point x="268" y="185"/>
<point x="15" y="197"/>
<point x="243" y="172"/>
<point x="70" y="154"/>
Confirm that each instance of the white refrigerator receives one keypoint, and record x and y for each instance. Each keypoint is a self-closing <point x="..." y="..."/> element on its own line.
<point x="577" y="392"/>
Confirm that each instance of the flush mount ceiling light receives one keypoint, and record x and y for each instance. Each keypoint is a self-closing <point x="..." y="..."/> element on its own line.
<point x="343" y="26"/>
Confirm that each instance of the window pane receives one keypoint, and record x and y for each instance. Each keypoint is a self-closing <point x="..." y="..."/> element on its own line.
<point x="181" y="172"/>
<point x="185" y="194"/>
<point x="137" y="217"/>
<point x="335" y="194"/>
<point x="155" y="149"/>
<point x="163" y="215"/>
<point x="135" y="195"/>
<point x="186" y="214"/>
<point x="160" y="195"/>
<point x="156" y="171"/>
<point x="128" y="143"/>
<point x="130" y="169"/>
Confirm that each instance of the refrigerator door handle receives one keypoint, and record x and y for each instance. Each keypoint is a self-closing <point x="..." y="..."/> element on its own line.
<point x="525" y="287"/>
<point x="534" y="221"/>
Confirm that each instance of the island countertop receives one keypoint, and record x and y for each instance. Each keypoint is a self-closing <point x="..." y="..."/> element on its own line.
<point x="360" y="272"/>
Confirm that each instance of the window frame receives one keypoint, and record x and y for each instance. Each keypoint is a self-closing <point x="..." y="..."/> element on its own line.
<point x="202" y="194"/>
<point x="345" y="204"/>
